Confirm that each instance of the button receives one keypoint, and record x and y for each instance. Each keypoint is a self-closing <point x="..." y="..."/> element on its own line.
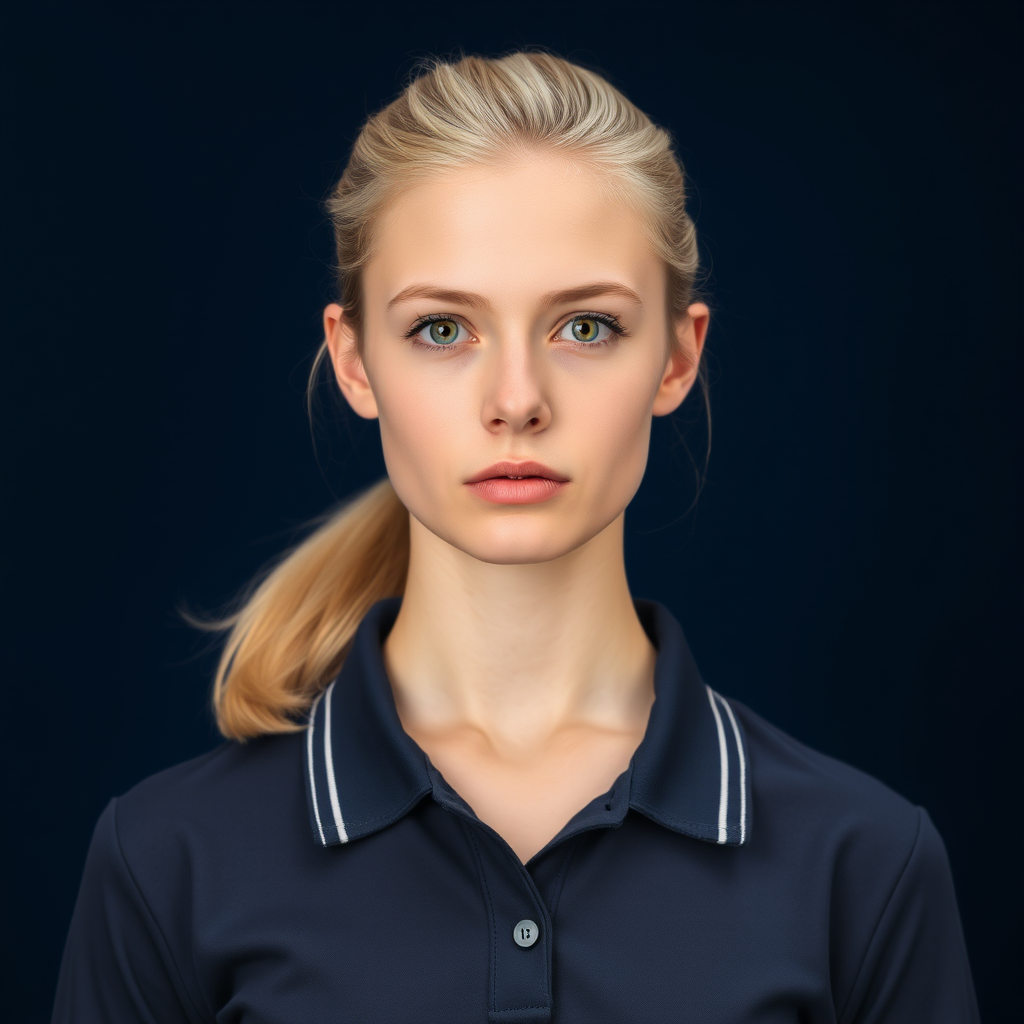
<point x="526" y="933"/>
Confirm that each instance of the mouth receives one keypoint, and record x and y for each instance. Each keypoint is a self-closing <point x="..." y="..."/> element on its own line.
<point x="517" y="471"/>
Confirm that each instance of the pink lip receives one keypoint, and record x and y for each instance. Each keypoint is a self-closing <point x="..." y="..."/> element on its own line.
<point x="508" y="468"/>
<point x="538" y="483"/>
<point x="502" y="491"/>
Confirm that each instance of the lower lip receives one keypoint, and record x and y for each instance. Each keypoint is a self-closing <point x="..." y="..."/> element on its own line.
<point x="504" y="491"/>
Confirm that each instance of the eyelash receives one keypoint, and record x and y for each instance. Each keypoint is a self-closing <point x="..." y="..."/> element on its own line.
<point x="611" y="322"/>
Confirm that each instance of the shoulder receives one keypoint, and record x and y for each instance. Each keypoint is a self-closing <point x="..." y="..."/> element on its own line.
<point x="849" y="841"/>
<point x="843" y="837"/>
<point x="231" y="778"/>
<point x="160" y="869"/>
<point x="209" y="809"/>
<point x="871" y="866"/>
<point x="802" y="791"/>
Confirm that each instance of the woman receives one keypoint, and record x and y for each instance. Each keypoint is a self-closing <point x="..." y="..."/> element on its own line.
<point x="470" y="777"/>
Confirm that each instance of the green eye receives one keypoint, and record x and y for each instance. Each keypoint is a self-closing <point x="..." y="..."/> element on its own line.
<point x="591" y="331"/>
<point x="585" y="329"/>
<point x="444" y="332"/>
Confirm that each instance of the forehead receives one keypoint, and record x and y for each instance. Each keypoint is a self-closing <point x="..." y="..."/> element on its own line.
<point x="514" y="228"/>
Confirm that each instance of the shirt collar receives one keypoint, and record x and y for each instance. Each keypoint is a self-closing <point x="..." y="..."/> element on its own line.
<point x="364" y="772"/>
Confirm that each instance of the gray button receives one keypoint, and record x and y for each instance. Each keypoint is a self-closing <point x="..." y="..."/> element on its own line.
<point x="526" y="933"/>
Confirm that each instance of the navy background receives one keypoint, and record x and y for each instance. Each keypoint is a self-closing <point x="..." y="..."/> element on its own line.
<point x="852" y="567"/>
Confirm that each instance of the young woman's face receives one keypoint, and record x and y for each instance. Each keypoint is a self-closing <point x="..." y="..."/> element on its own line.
<point x="527" y="272"/>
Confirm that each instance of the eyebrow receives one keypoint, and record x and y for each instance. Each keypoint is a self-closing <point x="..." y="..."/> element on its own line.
<point x="474" y="301"/>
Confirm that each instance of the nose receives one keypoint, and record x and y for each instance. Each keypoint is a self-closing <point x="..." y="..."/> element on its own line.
<point x="515" y="392"/>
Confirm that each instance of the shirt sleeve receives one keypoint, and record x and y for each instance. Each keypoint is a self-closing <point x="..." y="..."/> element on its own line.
<point x="117" y="965"/>
<point x="916" y="966"/>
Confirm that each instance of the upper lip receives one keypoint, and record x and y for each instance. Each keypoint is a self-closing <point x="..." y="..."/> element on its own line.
<point x="509" y="468"/>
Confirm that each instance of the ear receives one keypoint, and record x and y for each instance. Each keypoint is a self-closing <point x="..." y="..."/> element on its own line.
<point x="681" y="369"/>
<point x="348" y="364"/>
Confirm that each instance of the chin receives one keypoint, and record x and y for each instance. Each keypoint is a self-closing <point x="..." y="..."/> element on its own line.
<point x="519" y="543"/>
<point x="509" y="542"/>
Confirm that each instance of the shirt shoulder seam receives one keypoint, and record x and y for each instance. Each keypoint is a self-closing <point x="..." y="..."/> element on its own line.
<point x="151" y="915"/>
<point x="842" y="1017"/>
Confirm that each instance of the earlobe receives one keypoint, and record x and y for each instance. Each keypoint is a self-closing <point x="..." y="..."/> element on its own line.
<point x="347" y="363"/>
<point x="675" y="385"/>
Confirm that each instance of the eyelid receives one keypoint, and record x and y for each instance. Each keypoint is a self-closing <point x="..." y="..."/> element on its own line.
<point x="608" y="319"/>
<point x="433" y="318"/>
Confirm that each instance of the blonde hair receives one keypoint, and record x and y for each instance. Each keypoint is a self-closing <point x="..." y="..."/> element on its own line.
<point x="291" y="632"/>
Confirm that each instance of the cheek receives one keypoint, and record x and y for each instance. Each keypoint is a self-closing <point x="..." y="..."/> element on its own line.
<point x="609" y="418"/>
<point x="418" y="433"/>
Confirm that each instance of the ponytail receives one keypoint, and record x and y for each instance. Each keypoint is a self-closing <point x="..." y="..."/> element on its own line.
<point x="291" y="636"/>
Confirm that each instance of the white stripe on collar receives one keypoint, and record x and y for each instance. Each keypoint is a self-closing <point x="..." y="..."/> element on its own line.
<point x="723" y="751"/>
<point x="332" y="782"/>
<point x="743" y="768"/>
<point x="723" y="767"/>
<point x="312" y="779"/>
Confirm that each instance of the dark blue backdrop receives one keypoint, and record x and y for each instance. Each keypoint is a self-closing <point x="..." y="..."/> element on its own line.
<point x="852" y="569"/>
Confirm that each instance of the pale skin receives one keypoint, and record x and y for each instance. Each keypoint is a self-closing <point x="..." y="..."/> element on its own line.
<point x="517" y="660"/>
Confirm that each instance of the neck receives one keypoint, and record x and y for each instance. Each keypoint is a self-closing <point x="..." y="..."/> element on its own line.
<point x="519" y="653"/>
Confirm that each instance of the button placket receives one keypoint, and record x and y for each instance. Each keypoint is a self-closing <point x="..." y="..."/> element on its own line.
<point x="520" y="977"/>
<point x="520" y="971"/>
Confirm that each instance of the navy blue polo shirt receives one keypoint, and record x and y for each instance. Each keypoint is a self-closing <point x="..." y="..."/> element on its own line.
<point x="731" y="875"/>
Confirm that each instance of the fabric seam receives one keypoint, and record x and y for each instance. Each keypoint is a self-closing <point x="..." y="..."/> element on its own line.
<point x="562" y="876"/>
<point x="657" y="814"/>
<point x="490" y="912"/>
<point x="842" y="1017"/>
<point x="152" y="916"/>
